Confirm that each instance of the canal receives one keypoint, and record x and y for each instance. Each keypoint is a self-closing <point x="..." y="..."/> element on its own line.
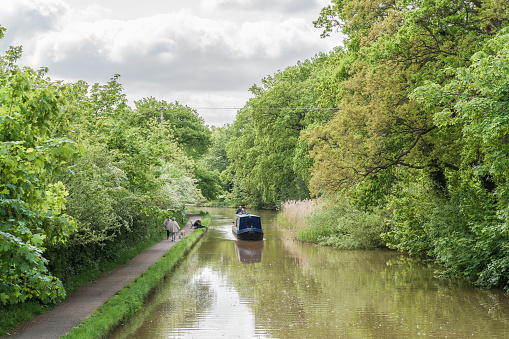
<point x="280" y="288"/>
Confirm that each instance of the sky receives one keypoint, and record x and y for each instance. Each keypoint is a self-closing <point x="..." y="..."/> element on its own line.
<point x="205" y="54"/>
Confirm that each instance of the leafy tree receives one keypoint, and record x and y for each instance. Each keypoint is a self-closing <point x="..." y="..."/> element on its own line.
<point x="95" y="185"/>
<point x="435" y="158"/>
<point x="266" y="153"/>
<point x="31" y="207"/>
<point x="400" y="45"/>
<point x="128" y="168"/>
<point x="185" y="124"/>
<point x="216" y="158"/>
<point x="208" y="182"/>
<point x="476" y="101"/>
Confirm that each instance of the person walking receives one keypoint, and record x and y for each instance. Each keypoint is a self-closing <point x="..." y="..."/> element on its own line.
<point x="174" y="228"/>
<point x="167" y="224"/>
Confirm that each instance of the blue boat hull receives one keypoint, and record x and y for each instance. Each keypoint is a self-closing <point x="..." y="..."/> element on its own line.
<point x="249" y="234"/>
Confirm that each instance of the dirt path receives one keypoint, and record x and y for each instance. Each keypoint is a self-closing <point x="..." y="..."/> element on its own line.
<point x="80" y="305"/>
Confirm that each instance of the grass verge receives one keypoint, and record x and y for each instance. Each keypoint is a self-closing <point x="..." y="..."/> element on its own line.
<point x="13" y="315"/>
<point x="205" y="216"/>
<point x="130" y="299"/>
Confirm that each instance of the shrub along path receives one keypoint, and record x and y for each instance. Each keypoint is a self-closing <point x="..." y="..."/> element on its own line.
<point x="80" y="305"/>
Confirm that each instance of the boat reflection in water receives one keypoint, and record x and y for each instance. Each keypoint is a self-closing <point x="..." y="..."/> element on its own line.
<point x="249" y="251"/>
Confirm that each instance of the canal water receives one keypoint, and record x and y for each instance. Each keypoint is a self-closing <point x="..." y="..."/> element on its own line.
<point x="280" y="288"/>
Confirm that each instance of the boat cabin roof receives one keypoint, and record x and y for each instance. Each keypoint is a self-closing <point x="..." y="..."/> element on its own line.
<point x="247" y="220"/>
<point x="246" y="215"/>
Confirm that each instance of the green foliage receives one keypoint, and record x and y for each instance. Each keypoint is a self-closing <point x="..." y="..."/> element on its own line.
<point x="186" y="125"/>
<point x="268" y="161"/>
<point x="130" y="172"/>
<point x="421" y="130"/>
<point x="335" y="222"/>
<point x="341" y="225"/>
<point x="30" y="205"/>
<point x="329" y="18"/>
<point x="216" y="160"/>
<point x="476" y="102"/>
<point x="208" y="182"/>
<point x="97" y="193"/>
<point x="76" y="264"/>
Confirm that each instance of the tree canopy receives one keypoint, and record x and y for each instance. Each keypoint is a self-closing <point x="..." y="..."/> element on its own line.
<point x="31" y="205"/>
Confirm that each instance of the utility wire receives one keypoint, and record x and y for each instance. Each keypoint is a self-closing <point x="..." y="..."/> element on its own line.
<point x="322" y="108"/>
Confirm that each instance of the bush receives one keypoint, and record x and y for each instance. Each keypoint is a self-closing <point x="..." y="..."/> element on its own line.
<point x="334" y="223"/>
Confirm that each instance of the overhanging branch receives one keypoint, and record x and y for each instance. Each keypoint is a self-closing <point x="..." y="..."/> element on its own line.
<point x="402" y="154"/>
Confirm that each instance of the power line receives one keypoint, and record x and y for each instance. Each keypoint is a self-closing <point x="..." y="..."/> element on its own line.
<point x="322" y="108"/>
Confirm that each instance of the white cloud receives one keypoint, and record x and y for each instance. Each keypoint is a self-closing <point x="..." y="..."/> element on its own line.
<point x="160" y="38"/>
<point x="282" y="6"/>
<point x="209" y="55"/>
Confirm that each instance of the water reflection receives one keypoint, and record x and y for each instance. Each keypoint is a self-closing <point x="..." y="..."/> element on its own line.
<point x="303" y="291"/>
<point x="249" y="251"/>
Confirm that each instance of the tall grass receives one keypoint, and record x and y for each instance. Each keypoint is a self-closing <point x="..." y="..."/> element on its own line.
<point x="294" y="214"/>
<point x="334" y="223"/>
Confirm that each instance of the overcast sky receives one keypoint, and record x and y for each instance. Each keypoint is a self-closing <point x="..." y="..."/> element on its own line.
<point x="201" y="53"/>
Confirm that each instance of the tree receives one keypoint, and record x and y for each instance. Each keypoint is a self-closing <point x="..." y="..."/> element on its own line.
<point x="437" y="157"/>
<point x="266" y="153"/>
<point x="129" y="167"/>
<point x="217" y="157"/>
<point x="477" y="102"/>
<point x="186" y="125"/>
<point x="216" y="160"/>
<point x="31" y="207"/>
<point x="399" y="45"/>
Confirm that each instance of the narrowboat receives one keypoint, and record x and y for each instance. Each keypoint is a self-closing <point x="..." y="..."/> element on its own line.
<point x="247" y="227"/>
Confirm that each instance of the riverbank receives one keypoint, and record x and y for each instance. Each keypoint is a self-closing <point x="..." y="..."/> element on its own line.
<point x="129" y="284"/>
<point x="337" y="223"/>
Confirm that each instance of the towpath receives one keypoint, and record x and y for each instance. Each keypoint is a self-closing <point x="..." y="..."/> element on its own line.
<point x="80" y="305"/>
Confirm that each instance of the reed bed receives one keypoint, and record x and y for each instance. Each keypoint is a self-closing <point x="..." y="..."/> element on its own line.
<point x="295" y="213"/>
<point x="334" y="223"/>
